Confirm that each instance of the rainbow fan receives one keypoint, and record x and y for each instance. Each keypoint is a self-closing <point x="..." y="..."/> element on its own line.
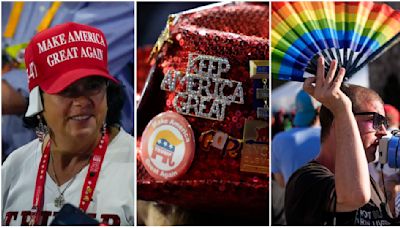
<point x="353" y="33"/>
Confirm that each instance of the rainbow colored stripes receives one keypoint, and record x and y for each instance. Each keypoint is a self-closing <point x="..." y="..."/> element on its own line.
<point x="351" y="32"/>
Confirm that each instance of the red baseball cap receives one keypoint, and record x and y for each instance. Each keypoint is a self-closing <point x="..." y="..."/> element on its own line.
<point x="57" y="57"/>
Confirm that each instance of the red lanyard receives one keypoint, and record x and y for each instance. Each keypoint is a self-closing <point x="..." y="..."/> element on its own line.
<point x="88" y="186"/>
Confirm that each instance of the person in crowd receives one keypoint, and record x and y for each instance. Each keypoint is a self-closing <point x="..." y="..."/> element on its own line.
<point x="83" y="156"/>
<point x="277" y="205"/>
<point x="393" y="117"/>
<point x="36" y="16"/>
<point x="293" y="148"/>
<point x="335" y="188"/>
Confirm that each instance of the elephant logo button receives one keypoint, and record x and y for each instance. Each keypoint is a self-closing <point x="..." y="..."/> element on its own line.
<point x="168" y="146"/>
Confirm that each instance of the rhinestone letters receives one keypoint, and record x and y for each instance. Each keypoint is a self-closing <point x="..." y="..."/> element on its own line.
<point x="203" y="93"/>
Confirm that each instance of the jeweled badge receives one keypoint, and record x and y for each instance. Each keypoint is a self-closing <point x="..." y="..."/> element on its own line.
<point x="168" y="146"/>
<point x="202" y="92"/>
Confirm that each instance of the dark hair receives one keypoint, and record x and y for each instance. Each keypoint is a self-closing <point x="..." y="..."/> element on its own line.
<point x="357" y="94"/>
<point x="115" y="102"/>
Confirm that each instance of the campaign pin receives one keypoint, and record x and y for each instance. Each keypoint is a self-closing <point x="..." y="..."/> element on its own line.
<point x="254" y="157"/>
<point x="167" y="147"/>
<point x="259" y="69"/>
<point x="86" y="198"/>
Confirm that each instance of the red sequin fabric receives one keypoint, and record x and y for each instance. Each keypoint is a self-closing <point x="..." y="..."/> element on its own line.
<point x="143" y="68"/>
<point x="214" y="182"/>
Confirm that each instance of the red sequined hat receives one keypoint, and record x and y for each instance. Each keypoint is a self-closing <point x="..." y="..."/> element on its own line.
<point x="210" y="65"/>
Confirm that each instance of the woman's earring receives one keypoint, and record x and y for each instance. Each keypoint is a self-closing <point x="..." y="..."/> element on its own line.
<point x="41" y="130"/>
<point x="104" y="128"/>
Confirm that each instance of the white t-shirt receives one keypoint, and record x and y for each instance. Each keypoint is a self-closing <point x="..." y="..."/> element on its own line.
<point x="113" y="198"/>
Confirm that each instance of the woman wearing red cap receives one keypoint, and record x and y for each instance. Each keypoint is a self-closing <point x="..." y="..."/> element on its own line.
<point x="82" y="156"/>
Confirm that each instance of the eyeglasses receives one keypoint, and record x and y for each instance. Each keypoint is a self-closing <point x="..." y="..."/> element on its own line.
<point x="378" y="119"/>
<point x="87" y="86"/>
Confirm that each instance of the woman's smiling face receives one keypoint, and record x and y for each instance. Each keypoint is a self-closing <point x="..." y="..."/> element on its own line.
<point x="79" y="110"/>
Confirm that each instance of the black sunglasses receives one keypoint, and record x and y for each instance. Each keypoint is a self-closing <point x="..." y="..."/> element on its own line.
<point x="378" y="119"/>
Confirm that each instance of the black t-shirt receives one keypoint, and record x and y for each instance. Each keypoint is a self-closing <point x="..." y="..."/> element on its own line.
<point x="310" y="200"/>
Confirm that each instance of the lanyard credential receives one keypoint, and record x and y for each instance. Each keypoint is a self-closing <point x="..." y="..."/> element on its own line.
<point x="88" y="186"/>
